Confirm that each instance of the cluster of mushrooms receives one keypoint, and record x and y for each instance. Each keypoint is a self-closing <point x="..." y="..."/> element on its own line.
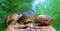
<point x="28" y="19"/>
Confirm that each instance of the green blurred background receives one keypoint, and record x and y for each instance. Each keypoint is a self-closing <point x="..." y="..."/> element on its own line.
<point x="8" y="7"/>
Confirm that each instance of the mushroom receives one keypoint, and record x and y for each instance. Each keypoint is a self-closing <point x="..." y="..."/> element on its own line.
<point x="27" y="17"/>
<point x="11" y="20"/>
<point x="43" y="20"/>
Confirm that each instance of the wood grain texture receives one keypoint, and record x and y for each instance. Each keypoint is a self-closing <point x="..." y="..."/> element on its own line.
<point x="36" y="28"/>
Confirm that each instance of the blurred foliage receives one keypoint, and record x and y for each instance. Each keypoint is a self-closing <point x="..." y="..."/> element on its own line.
<point x="8" y="7"/>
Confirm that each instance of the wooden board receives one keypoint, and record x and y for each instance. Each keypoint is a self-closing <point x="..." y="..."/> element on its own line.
<point x="36" y="28"/>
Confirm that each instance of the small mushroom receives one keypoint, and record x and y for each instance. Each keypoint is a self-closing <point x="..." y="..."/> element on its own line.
<point x="27" y="17"/>
<point x="43" y="20"/>
<point x="11" y="20"/>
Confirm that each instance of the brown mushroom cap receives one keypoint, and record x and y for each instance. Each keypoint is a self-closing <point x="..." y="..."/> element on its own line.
<point x="27" y="17"/>
<point x="44" y="20"/>
<point x="11" y="18"/>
